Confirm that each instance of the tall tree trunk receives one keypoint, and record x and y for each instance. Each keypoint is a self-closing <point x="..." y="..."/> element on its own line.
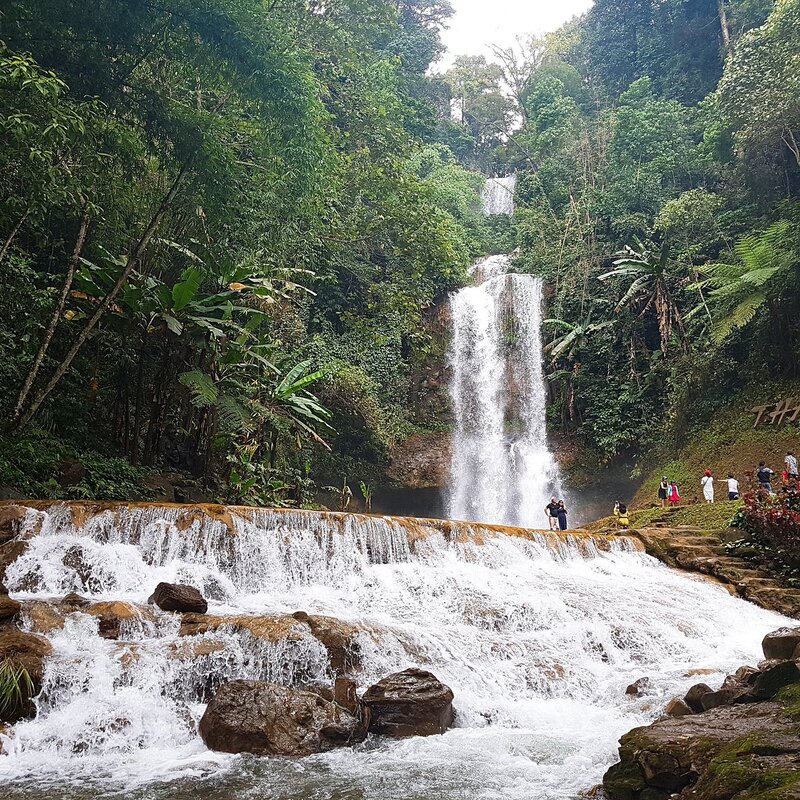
<point x="14" y="232"/>
<point x="133" y="260"/>
<point x="57" y="312"/>
<point x="137" y="413"/>
<point x="723" y="24"/>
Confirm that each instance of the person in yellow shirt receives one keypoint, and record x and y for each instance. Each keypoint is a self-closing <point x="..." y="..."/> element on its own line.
<point x="621" y="513"/>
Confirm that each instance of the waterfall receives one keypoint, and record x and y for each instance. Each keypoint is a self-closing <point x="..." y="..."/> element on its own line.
<point x="502" y="471"/>
<point x="498" y="195"/>
<point x="536" y="634"/>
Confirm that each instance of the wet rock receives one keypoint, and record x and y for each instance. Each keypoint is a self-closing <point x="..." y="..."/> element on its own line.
<point x="112" y="616"/>
<point x="695" y="695"/>
<point x="11" y="516"/>
<point x="726" y="696"/>
<point x="25" y="653"/>
<point x="705" y="752"/>
<point x="9" y="553"/>
<point x="265" y="719"/>
<point x="340" y="640"/>
<point x="9" y="608"/>
<point x="772" y="678"/>
<point x="678" y="708"/>
<point x="178" y="597"/>
<point x="42" y="617"/>
<point x="409" y="703"/>
<point x="344" y="693"/>
<point x="270" y="628"/>
<point x="639" y="687"/>
<point x="73" y="601"/>
<point x="3" y="589"/>
<point x="781" y="643"/>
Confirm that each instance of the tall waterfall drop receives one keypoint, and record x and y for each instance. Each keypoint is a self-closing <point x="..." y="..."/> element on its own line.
<point x="502" y="471"/>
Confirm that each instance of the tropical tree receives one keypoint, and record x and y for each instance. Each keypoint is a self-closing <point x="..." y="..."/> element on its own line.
<point x="650" y="288"/>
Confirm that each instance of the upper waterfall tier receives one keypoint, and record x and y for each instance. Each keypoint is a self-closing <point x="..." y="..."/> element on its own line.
<point x="498" y="195"/>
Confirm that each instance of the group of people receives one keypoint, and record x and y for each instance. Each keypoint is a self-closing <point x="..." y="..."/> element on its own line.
<point x="556" y="513"/>
<point x="668" y="491"/>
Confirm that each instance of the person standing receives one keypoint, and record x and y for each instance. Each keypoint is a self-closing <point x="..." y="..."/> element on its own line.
<point x="707" y="482"/>
<point x="551" y="509"/>
<point x="733" y="487"/>
<point x="562" y="515"/>
<point x="674" y="494"/>
<point x="791" y="466"/>
<point x="764" y="475"/>
<point x="663" y="492"/>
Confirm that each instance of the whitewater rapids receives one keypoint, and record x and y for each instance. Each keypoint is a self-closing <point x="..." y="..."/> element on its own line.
<point x="537" y="637"/>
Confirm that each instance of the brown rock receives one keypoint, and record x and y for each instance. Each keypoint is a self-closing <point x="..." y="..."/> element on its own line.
<point x="781" y="643"/>
<point x="42" y="616"/>
<point x="339" y="639"/>
<point x="265" y="719"/>
<point x="678" y="708"/>
<point x="112" y="614"/>
<point x="725" y="696"/>
<point x="639" y="687"/>
<point x="24" y="651"/>
<point x="409" y="703"/>
<point x="772" y="678"/>
<point x="8" y="608"/>
<point x="674" y="753"/>
<point x="695" y="694"/>
<point x="73" y="600"/>
<point x="271" y="628"/>
<point x="9" y="553"/>
<point x="344" y="693"/>
<point x="11" y="515"/>
<point x="178" y="597"/>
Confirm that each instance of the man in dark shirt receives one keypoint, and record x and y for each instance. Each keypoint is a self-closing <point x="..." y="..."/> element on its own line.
<point x="551" y="509"/>
<point x="764" y="475"/>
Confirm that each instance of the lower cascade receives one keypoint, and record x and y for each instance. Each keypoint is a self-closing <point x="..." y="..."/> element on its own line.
<point x="537" y="635"/>
<point x="502" y="469"/>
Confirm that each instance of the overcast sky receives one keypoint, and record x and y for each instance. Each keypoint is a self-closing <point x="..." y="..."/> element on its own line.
<point x="480" y="23"/>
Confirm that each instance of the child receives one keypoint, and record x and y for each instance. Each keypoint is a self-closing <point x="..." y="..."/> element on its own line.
<point x="621" y="513"/>
<point x="674" y="496"/>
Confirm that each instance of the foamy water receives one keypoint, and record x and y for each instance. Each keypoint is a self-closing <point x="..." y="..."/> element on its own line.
<point x="537" y="642"/>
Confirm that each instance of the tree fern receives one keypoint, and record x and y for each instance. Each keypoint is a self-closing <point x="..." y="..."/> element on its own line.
<point x="201" y="388"/>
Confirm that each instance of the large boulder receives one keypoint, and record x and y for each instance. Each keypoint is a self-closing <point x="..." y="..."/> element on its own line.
<point x="24" y="654"/>
<point x="265" y="719"/>
<point x="695" y="695"/>
<point x="338" y="638"/>
<point x="409" y="703"/>
<point x="178" y="597"/>
<point x="717" y="755"/>
<point x="781" y="644"/>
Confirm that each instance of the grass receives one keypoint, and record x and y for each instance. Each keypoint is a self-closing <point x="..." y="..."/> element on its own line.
<point x="16" y="688"/>
<point x="729" y="443"/>
<point x="705" y="516"/>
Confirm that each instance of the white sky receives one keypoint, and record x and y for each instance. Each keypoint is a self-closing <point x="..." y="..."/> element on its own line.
<point x="477" y="24"/>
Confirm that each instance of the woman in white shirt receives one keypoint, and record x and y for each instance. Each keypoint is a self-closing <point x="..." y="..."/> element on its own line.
<point x="707" y="482"/>
<point x="733" y="487"/>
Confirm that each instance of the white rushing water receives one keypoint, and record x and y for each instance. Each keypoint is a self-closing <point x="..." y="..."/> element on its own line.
<point x="501" y="470"/>
<point x="498" y="195"/>
<point x="538" y="643"/>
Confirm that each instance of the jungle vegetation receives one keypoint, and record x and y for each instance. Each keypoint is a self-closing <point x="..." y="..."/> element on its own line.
<point x="226" y="226"/>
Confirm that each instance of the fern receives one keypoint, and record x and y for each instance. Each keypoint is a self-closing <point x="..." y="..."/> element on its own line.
<point x="233" y="416"/>
<point x="201" y="388"/>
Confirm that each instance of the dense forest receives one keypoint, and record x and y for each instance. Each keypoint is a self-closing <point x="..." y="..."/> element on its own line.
<point x="226" y="227"/>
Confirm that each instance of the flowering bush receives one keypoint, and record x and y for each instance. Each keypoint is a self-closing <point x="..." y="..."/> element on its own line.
<point x="771" y="526"/>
